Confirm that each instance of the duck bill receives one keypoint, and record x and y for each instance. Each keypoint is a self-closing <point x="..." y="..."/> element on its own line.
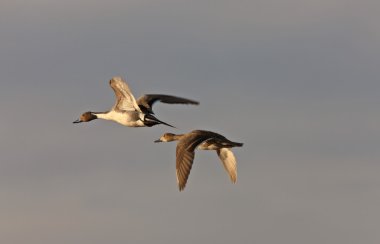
<point x="77" y="121"/>
<point x="159" y="140"/>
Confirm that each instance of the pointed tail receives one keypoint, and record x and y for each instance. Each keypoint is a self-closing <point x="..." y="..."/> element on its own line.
<point x="238" y="144"/>
<point x="150" y="120"/>
<point x="232" y="144"/>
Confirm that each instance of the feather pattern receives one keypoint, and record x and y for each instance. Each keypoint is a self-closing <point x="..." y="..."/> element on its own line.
<point x="146" y="101"/>
<point x="229" y="162"/>
<point x="125" y="101"/>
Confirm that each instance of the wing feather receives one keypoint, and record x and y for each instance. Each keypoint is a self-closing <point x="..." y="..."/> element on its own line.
<point x="185" y="157"/>
<point x="125" y="101"/>
<point x="229" y="162"/>
<point x="146" y="101"/>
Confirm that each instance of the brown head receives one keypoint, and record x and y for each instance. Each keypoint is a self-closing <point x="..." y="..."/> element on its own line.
<point x="168" y="137"/>
<point x="86" y="117"/>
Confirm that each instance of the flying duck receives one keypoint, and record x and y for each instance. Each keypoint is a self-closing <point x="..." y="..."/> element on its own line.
<point x="204" y="140"/>
<point x="129" y="112"/>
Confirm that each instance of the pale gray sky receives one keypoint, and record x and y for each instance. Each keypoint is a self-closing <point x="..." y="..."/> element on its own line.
<point x="296" y="81"/>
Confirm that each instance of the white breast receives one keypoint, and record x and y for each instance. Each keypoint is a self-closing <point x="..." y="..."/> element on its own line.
<point x="127" y="118"/>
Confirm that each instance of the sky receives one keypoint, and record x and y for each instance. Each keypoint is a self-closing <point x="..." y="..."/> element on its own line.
<point x="296" y="81"/>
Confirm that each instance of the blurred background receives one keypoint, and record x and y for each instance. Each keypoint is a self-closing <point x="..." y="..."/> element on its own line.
<point x="296" y="81"/>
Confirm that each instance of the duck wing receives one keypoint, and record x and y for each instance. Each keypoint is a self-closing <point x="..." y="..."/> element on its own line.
<point x="185" y="156"/>
<point x="229" y="162"/>
<point x="125" y="101"/>
<point x="146" y="101"/>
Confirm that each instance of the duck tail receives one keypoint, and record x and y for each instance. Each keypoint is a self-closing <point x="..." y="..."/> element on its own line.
<point x="237" y="144"/>
<point x="230" y="144"/>
<point x="150" y="120"/>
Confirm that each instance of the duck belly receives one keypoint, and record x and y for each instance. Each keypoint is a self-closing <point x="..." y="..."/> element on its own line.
<point x="207" y="146"/>
<point x="130" y="119"/>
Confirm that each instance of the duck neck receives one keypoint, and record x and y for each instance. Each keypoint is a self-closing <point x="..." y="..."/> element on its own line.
<point x="177" y="137"/>
<point x="103" y="115"/>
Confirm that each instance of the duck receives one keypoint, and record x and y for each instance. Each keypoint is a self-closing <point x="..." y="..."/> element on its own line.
<point x="130" y="112"/>
<point x="203" y="140"/>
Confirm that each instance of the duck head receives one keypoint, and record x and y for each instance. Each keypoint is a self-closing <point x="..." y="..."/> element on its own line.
<point x="167" y="137"/>
<point x="86" y="117"/>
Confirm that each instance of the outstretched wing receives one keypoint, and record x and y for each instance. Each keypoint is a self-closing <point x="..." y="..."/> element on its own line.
<point x="125" y="101"/>
<point x="146" y="101"/>
<point x="229" y="162"/>
<point x="185" y="156"/>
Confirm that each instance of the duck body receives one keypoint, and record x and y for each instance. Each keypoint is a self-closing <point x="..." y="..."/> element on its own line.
<point x="216" y="141"/>
<point x="126" y="118"/>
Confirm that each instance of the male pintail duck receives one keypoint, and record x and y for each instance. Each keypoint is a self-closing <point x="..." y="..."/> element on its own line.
<point x="129" y="112"/>
<point x="204" y="140"/>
